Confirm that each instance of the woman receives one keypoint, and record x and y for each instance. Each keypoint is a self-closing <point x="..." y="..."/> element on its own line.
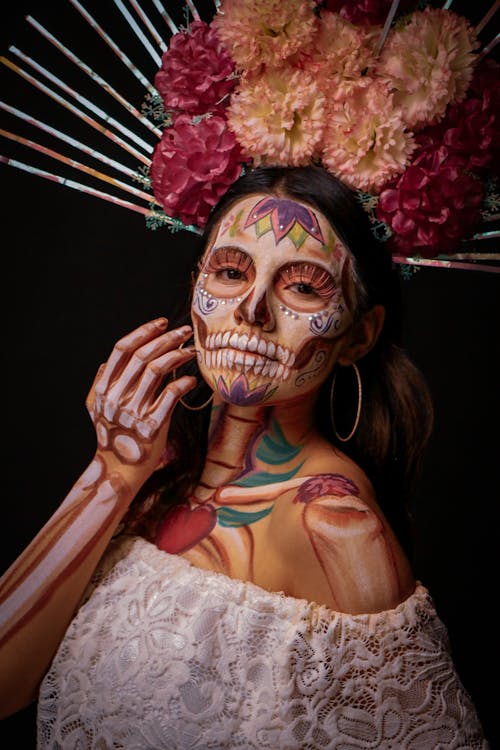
<point x="261" y="599"/>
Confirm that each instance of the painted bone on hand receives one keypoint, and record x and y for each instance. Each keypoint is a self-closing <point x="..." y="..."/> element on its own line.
<point x="128" y="404"/>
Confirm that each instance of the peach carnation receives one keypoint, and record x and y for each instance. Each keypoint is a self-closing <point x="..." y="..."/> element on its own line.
<point x="265" y="32"/>
<point x="340" y="48"/>
<point x="365" y="142"/>
<point x="428" y="64"/>
<point x="278" y="117"/>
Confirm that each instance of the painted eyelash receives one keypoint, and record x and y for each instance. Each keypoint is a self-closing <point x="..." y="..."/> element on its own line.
<point x="318" y="278"/>
<point x="227" y="257"/>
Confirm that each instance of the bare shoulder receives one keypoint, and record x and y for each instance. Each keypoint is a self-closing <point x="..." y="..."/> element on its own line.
<point x="337" y="541"/>
<point x="330" y="471"/>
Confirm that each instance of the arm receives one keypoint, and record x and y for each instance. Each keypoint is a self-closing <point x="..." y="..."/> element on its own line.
<point x="40" y="591"/>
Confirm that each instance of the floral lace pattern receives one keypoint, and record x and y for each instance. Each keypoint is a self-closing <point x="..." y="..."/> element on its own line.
<point x="165" y="656"/>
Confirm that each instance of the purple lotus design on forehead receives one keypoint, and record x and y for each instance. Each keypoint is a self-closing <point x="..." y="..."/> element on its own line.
<point x="240" y="393"/>
<point x="285" y="218"/>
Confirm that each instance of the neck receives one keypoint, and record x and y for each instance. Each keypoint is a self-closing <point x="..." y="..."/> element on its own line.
<point x="254" y="440"/>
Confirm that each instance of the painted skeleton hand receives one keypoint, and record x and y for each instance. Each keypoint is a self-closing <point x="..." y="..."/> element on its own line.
<point x="128" y="403"/>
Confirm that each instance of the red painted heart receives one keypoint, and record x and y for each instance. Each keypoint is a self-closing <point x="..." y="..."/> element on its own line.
<point x="182" y="527"/>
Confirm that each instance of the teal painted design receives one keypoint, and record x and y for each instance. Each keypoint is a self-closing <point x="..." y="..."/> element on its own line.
<point x="234" y="518"/>
<point x="265" y="477"/>
<point x="274" y="448"/>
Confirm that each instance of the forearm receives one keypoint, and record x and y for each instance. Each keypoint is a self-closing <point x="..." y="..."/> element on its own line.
<point x="41" y="590"/>
<point x="131" y="410"/>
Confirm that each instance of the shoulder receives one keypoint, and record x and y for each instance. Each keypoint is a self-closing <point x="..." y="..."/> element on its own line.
<point x="332" y="518"/>
<point x="329" y="472"/>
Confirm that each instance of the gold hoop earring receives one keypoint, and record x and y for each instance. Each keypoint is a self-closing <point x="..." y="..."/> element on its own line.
<point x="181" y="400"/>
<point x="196" y="408"/>
<point x="358" y="410"/>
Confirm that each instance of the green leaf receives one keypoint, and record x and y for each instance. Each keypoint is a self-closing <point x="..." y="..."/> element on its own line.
<point x="234" y="518"/>
<point x="274" y="448"/>
<point x="265" y="477"/>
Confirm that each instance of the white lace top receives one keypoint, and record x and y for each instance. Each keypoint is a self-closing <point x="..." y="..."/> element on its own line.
<point x="163" y="655"/>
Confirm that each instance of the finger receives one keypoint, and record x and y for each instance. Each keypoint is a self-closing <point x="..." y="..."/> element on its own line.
<point x="142" y="357"/>
<point x="124" y="348"/>
<point x="166" y="401"/>
<point x="154" y="375"/>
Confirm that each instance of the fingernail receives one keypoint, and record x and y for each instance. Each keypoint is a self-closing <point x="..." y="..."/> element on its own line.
<point x="160" y="322"/>
<point x="184" y="330"/>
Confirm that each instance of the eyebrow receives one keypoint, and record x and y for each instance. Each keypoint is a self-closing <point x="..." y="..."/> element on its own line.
<point x="228" y="248"/>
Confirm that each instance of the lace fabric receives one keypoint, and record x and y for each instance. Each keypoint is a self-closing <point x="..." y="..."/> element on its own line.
<point x="167" y="656"/>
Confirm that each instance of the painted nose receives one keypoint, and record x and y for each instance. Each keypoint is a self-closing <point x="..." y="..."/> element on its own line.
<point x="255" y="310"/>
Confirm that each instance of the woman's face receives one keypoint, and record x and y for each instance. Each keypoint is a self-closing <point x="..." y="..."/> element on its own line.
<point x="268" y="310"/>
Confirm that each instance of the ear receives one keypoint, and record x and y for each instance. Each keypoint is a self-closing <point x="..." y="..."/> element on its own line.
<point x="363" y="336"/>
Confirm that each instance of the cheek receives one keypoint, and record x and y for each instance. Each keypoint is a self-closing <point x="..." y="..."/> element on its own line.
<point x="329" y="323"/>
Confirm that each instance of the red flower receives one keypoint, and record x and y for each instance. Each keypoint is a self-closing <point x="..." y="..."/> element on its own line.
<point x="471" y="128"/>
<point x="193" y="165"/>
<point x="196" y="72"/>
<point x="433" y="205"/>
<point x="363" y="12"/>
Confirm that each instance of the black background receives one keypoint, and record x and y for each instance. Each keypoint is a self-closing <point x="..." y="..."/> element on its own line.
<point x="77" y="273"/>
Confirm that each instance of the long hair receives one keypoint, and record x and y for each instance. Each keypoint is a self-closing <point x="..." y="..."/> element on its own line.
<point x="396" y="414"/>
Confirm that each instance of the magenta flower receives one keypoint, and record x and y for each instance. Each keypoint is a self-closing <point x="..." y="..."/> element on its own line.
<point x="196" y="75"/>
<point x="363" y="12"/>
<point x="193" y="165"/>
<point x="433" y="205"/>
<point x="472" y="128"/>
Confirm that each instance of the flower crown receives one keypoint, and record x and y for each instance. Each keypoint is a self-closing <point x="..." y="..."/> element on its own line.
<point x="404" y="113"/>
<point x="394" y="97"/>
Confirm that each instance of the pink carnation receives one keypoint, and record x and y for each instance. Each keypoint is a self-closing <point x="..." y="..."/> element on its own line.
<point x="365" y="142"/>
<point x="432" y="206"/>
<point x="428" y="64"/>
<point x="265" y="32"/>
<point x="196" y="74"/>
<point x="193" y="165"/>
<point x="278" y="117"/>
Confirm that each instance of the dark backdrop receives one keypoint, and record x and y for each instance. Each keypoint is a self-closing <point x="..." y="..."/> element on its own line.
<point x="78" y="273"/>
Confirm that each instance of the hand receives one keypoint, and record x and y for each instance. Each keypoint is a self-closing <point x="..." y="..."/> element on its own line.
<point x="129" y="404"/>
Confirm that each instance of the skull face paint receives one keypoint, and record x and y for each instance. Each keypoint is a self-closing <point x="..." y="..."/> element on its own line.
<point x="268" y="306"/>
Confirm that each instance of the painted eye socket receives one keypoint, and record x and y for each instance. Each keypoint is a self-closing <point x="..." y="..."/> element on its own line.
<point x="305" y="287"/>
<point x="229" y="269"/>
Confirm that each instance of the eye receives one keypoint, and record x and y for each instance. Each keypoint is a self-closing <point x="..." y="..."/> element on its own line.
<point x="232" y="274"/>
<point x="304" y="288"/>
<point x="306" y="279"/>
<point x="228" y="264"/>
<point x="230" y="270"/>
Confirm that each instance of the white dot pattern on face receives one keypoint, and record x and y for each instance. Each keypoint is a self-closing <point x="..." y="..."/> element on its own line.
<point x="285" y="310"/>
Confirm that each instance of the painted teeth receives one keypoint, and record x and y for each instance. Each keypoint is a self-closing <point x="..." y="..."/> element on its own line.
<point x="262" y="347"/>
<point x="244" y="343"/>
<point x="248" y="362"/>
<point x="253" y="344"/>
